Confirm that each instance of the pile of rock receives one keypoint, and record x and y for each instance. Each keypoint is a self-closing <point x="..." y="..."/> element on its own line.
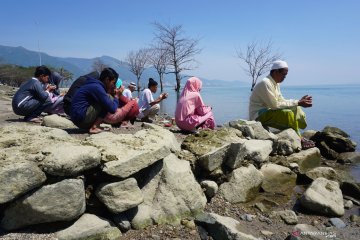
<point x="136" y="180"/>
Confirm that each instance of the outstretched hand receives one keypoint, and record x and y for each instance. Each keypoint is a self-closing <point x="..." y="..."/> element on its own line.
<point x="305" y="101"/>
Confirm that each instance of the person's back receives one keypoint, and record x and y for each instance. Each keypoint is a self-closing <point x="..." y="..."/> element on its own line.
<point x="146" y="98"/>
<point x="127" y="93"/>
<point x="74" y="87"/>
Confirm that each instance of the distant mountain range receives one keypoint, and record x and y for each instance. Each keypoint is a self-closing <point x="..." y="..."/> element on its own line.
<point x="80" y="66"/>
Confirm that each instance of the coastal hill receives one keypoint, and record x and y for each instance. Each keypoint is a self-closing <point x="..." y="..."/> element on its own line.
<point x="80" y="66"/>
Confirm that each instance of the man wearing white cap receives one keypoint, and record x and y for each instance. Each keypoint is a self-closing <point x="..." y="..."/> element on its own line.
<point x="128" y="91"/>
<point x="268" y="106"/>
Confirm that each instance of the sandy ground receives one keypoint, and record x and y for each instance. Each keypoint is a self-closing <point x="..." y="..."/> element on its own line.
<point x="278" y="229"/>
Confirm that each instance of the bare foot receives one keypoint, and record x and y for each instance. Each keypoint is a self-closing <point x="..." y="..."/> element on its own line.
<point x="95" y="130"/>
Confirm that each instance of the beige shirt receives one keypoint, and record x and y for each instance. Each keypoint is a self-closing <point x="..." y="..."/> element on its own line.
<point x="267" y="95"/>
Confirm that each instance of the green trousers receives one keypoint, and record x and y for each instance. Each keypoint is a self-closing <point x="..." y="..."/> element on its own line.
<point x="284" y="118"/>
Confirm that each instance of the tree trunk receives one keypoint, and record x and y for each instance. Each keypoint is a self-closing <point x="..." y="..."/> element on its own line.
<point x="138" y="86"/>
<point x="161" y="76"/>
<point x="178" y="79"/>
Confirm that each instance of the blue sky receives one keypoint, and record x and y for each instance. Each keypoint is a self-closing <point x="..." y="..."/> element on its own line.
<point x="319" y="39"/>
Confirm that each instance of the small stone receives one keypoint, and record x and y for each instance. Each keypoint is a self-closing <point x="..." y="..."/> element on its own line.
<point x="266" y="233"/>
<point x="210" y="188"/>
<point x="348" y="204"/>
<point x="355" y="218"/>
<point x="190" y="225"/>
<point x="293" y="166"/>
<point x="247" y="217"/>
<point x="315" y="222"/>
<point x="261" y="207"/>
<point x="155" y="237"/>
<point x="122" y="222"/>
<point x="264" y="219"/>
<point x="337" y="222"/>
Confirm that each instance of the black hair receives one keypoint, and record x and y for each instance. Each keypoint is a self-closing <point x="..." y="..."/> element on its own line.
<point x="42" y="70"/>
<point x="152" y="82"/>
<point x="108" y="73"/>
<point x="280" y="70"/>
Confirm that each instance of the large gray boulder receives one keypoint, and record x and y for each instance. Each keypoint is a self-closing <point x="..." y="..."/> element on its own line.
<point x="223" y="228"/>
<point x="324" y="197"/>
<point x="18" y="178"/>
<point x="253" y="151"/>
<point x="89" y="227"/>
<point x="243" y="185"/>
<point x="55" y="121"/>
<point x="291" y="136"/>
<point x="277" y="179"/>
<point x="214" y="159"/>
<point x="26" y="142"/>
<point x="307" y="159"/>
<point x="331" y="141"/>
<point x="349" y="157"/>
<point x="253" y="129"/>
<point x="171" y="193"/>
<point x="62" y="201"/>
<point x="120" y="196"/>
<point x="126" y="154"/>
<point x="324" y="172"/>
<point x="206" y="141"/>
<point x="70" y="159"/>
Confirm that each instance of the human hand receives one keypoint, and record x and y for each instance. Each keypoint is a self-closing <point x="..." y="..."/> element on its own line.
<point x="119" y="91"/>
<point x="305" y="101"/>
<point x="164" y="95"/>
<point x="50" y="87"/>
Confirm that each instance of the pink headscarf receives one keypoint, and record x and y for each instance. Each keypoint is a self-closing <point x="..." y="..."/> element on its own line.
<point x="190" y="99"/>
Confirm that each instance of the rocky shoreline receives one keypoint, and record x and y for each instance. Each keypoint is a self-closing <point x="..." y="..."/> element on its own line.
<point x="237" y="182"/>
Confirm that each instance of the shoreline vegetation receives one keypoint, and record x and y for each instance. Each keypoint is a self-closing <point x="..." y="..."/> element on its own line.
<point x="148" y="181"/>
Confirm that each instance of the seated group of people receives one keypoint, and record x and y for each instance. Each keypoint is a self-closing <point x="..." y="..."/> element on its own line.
<point x="96" y="98"/>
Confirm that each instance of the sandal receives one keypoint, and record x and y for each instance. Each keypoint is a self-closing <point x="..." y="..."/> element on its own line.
<point x="306" y="143"/>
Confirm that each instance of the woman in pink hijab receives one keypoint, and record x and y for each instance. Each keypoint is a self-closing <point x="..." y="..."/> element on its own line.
<point x="191" y="112"/>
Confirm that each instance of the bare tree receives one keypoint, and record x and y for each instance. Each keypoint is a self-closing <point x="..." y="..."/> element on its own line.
<point x="98" y="65"/>
<point x="138" y="61"/>
<point x="258" y="57"/>
<point x="181" y="49"/>
<point x="159" y="59"/>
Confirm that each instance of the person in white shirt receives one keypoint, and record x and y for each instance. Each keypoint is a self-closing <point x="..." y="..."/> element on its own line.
<point x="128" y="91"/>
<point x="147" y="105"/>
<point x="268" y="106"/>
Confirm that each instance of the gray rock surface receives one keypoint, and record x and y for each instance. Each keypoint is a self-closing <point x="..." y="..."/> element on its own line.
<point x="122" y="222"/>
<point x="62" y="201"/>
<point x="252" y="129"/>
<point x="288" y="216"/>
<point x="214" y="159"/>
<point x="171" y="193"/>
<point x="18" y="178"/>
<point x="323" y="196"/>
<point x="306" y="159"/>
<point x="223" y="228"/>
<point x="308" y="134"/>
<point x="210" y="188"/>
<point x="253" y="151"/>
<point x="337" y="222"/>
<point x="291" y="136"/>
<point x="244" y="184"/>
<point x="70" y="159"/>
<point x="349" y="157"/>
<point x="126" y="154"/>
<point x="55" y="121"/>
<point x="283" y="147"/>
<point x="89" y="226"/>
<point x="120" y="196"/>
<point x="277" y="179"/>
<point x="324" y="172"/>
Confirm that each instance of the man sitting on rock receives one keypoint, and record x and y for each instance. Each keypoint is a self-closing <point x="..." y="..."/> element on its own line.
<point x="91" y="102"/>
<point x="268" y="106"/>
<point x="31" y="99"/>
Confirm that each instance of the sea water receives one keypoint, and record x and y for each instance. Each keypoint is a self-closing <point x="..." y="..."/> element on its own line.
<point x="333" y="105"/>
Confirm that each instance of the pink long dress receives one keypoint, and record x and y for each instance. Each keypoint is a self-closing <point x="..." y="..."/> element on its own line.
<point x="191" y="112"/>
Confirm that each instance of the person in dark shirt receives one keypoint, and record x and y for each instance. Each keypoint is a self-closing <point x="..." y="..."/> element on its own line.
<point x="74" y="87"/>
<point x="91" y="103"/>
<point x="31" y="99"/>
